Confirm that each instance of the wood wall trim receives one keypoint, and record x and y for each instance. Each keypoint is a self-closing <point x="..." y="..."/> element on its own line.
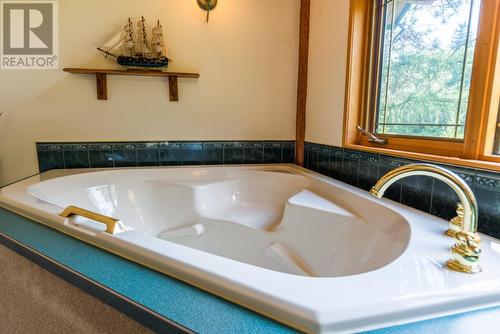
<point x="300" y="129"/>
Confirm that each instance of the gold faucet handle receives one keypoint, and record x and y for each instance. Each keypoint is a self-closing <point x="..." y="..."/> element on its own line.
<point x="465" y="253"/>
<point x="456" y="223"/>
<point x="471" y="241"/>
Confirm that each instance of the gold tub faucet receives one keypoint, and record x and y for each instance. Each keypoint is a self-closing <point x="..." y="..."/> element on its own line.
<point x="465" y="253"/>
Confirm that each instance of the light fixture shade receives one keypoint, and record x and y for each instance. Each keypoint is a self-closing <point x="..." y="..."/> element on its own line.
<point x="207" y="5"/>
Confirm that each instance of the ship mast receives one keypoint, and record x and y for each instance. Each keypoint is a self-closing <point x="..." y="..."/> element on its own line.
<point x="143" y="39"/>
<point x="129" y="43"/>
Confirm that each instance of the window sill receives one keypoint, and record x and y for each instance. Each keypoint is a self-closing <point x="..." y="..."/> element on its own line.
<point x="493" y="163"/>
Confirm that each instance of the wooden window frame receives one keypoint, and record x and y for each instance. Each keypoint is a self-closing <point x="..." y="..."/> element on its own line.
<point x="483" y="99"/>
<point x="496" y="140"/>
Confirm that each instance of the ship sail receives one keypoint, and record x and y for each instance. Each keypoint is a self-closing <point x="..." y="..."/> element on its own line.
<point x="129" y="41"/>
<point x="113" y="42"/>
<point x="122" y="40"/>
<point x="157" y="41"/>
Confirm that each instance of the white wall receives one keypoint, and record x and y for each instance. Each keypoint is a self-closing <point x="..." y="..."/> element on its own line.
<point x="327" y="68"/>
<point x="246" y="55"/>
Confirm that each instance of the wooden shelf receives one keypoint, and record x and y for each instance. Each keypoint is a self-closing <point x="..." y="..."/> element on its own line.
<point x="101" y="78"/>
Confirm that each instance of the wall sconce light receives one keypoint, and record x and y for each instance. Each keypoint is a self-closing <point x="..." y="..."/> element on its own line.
<point x="207" y="5"/>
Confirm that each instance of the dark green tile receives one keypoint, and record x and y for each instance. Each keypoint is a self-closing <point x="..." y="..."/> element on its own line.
<point x="288" y="153"/>
<point x="313" y="157"/>
<point x="170" y="154"/>
<point x="489" y="211"/>
<point x="124" y="155"/>
<point x="148" y="154"/>
<point x="253" y="153"/>
<point x="76" y="159"/>
<point x="48" y="160"/>
<point x="101" y="159"/>
<point x="444" y="198"/>
<point x="350" y="167"/>
<point x="213" y="153"/>
<point x="368" y="170"/>
<point x="324" y="160"/>
<point x="192" y="153"/>
<point x="233" y="153"/>
<point x="272" y="152"/>
<point x="417" y="192"/>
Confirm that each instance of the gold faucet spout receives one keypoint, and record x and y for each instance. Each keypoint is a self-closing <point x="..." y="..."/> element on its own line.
<point x="463" y="258"/>
<point x="461" y="188"/>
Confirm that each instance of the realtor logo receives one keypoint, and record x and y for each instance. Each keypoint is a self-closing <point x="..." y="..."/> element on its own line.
<point x="29" y="34"/>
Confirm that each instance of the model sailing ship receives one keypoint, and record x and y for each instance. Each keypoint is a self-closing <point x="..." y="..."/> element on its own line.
<point x="133" y="47"/>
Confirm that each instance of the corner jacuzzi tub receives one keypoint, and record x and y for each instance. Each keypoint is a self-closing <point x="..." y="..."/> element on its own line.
<point x="303" y="249"/>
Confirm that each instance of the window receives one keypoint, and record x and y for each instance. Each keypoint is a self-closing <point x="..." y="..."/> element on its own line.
<point x="426" y="67"/>
<point x="423" y="74"/>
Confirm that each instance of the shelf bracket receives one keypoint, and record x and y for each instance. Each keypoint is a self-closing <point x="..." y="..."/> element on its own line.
<point x="172" y="88"/>
<point x="102" y="86"/>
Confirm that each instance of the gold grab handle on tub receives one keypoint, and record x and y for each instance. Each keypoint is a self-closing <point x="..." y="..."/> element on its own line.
<point x="110" y="222"/>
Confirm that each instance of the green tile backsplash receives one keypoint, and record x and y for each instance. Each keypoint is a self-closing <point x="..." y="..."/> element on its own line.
<point x="172" y="153"/>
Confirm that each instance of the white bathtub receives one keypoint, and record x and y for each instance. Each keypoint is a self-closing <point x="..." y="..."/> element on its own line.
<point x="303" y="249"/>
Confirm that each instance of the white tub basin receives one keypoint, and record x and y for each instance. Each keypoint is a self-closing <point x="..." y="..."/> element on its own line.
<point x="306" y="250"/>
